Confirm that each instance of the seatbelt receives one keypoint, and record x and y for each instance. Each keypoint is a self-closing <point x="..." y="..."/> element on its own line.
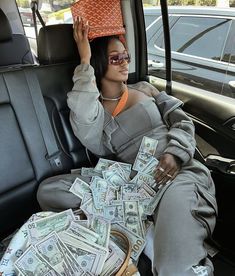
<point x="35" y="12"/>
<point x="53" y="152"/>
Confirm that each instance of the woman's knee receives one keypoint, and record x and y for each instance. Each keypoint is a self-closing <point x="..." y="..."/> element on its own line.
<point x="53" y="193"/>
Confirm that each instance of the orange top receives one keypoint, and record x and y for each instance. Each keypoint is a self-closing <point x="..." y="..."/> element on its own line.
<point x="121" y="104"/>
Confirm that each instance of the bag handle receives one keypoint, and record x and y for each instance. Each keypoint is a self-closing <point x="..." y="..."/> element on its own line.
<point x="121" y="104"/>
<point x="125" y="269"/>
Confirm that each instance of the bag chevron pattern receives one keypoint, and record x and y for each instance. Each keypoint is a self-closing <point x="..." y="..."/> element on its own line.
<point x="104" y="16"/>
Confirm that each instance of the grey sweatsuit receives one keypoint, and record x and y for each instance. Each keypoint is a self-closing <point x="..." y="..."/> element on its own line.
<point x="186" y="211"/>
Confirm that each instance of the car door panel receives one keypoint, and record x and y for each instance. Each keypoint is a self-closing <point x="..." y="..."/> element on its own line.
<point x="213" y="115"/>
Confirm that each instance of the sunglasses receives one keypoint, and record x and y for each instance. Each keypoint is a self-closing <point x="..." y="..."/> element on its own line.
<point x="118" y="59"/>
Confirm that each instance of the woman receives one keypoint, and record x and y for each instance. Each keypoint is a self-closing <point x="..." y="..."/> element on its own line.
<point x="186" y="211"/>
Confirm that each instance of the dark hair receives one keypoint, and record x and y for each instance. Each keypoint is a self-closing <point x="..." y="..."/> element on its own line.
<point x="99" y="56"/>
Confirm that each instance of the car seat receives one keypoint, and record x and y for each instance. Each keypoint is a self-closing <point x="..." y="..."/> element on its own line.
<point x="14" y="48"/>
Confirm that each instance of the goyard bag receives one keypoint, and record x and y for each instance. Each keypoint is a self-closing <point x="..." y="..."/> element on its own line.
<point x="104" y="16"/>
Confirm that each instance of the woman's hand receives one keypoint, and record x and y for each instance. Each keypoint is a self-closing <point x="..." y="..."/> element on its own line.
<point x="80" y="34"/>
<point x="167" y="168"/>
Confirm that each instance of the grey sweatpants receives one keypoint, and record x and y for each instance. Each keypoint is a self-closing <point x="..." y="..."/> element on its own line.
<point x="183" y="220"/>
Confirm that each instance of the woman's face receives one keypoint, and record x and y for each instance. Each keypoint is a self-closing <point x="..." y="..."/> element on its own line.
<point x="118" y="62"/>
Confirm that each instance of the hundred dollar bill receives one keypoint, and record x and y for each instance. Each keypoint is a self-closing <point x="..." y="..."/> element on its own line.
<point x="58" y="256"/>
<point x="141" y="160"/>
<point x="132" y="217"/>
<point x="86" y="245"/>
<point x="114" y="178"/>
<point x="89" y="172"/>
<point x="129" y="188"/>
<point x="99" y="188"/>
<point x="85" y="256"/>
<point x="81" y="231"/>
<point x="79" y="188"/>
<point x="42" y="227"/>
<point x="142" y="178"/>
<point x="149" y="190"/>
<point x="111" y="194"/>
<point x="114" y="260"/>
<point x="123" y="169"/>
<point x="104" y="164"/>
<point x="114" y="212"/>
<point x="32" y="263"/>
<point x="148" y="145"/>
<point x="102" y="227"/>
<point x="137" y="242"/>
<point x="150" y="167"/>
<point x="89" y="208"/>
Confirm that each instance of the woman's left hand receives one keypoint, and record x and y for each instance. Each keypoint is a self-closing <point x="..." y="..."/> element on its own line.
<point x="167" y="168"/>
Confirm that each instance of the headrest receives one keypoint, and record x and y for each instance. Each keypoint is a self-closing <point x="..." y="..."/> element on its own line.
<point x="56" y="44"/>
<point x="5" y="28"/>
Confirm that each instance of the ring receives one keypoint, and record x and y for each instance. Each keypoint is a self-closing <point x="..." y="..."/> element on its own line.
<point x="161" y="169"/>
<point x="169" y="175"/>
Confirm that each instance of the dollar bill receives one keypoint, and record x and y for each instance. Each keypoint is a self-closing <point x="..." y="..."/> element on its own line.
<point x="114" y="178"/>
<point x="104" y="164"/>
<point x="132" y="217"/>
<point x="79" y="188"/>
<point x="137" y="242"/>
<point x="141" y="161"/>
<point x="81" y="231"/>
<point x="87" y="257"/>
<point x="148" y="145"/>
<point x="32" y="263"/>
<point x="58" y="256"/>
<point x="42" y="227"/>
<point x="102" y="227"/>
<point x="89" y="172"/>
<point x="114" y="212"/>
<point x="142" y="178"/>
<point x="87" y="245"/>
<point x="99" y="189"/>
<point x="114" y="260"/>
<point x="150" y="167"/>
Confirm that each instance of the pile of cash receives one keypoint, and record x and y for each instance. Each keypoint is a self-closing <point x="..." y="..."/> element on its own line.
<point x="64" y="244"/>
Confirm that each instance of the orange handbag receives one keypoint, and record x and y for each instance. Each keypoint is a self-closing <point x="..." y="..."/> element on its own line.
<point x="104" y="16"/>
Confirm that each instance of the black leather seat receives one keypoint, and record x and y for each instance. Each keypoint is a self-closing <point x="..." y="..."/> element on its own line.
<point x="23" y="162"/>
<point x="14" y="48"/>
<point x="58" y="56"/>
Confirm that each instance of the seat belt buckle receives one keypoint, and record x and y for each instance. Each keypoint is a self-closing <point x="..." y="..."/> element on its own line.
<point x="55" y="160"/>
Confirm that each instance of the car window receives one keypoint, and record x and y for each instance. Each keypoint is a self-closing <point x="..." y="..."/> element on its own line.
<point x="189" y="35"/>
<point x="52" y="12"/>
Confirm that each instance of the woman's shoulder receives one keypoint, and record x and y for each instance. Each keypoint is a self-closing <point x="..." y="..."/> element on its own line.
<point x="145" y="87"/>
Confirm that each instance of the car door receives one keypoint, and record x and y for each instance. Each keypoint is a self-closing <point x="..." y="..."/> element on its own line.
<point x="194" y="61"/>
<point x="213" y="114"/>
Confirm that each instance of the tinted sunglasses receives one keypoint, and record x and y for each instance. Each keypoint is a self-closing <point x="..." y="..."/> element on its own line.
<point x="118" y="59"/>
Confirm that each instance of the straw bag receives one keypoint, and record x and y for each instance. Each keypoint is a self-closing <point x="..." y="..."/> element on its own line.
<point x="104" y="16"/>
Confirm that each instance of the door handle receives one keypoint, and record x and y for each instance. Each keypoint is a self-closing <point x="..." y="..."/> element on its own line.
<point x="220" y="163"/>
<point x="155" y="64"/>
<point x="231" y="84"/>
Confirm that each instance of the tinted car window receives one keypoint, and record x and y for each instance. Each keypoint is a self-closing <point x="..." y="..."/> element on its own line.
<point x="201" y="51"/>
<point x="190" y="35"/>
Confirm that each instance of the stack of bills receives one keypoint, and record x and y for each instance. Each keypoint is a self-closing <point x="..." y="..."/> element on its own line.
<point x="63" y="244"/>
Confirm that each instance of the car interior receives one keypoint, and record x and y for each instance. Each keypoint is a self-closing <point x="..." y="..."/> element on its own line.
<point x="37" y="141"/>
